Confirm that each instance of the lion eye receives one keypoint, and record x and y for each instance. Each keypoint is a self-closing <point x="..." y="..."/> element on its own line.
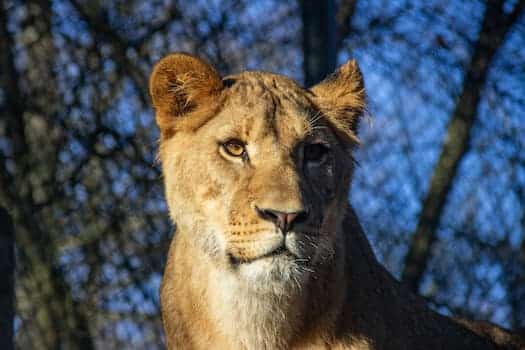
<point x="234" y="148"/>
<point x="315" y="152"/>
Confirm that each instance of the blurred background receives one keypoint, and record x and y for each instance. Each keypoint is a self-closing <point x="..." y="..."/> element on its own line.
<point x="440" y="186"/>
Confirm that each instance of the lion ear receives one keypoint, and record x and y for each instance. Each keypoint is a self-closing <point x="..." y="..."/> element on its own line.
<point x="185" y="92"/>
<point x="341" y="98"/>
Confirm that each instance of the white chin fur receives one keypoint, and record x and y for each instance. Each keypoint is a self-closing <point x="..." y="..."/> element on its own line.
<point x="276" y="275"/>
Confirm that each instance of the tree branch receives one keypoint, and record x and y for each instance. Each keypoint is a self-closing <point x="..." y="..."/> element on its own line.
<point x="494" y="28"/>
<point x="100" y="27"/>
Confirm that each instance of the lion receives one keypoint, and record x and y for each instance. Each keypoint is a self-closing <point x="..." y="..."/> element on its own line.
<point x="268" y="253"/>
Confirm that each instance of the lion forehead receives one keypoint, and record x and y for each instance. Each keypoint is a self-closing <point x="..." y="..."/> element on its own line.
<point x="257" y="104"/>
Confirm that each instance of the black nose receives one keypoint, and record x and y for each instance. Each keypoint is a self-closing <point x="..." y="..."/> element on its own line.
<point x="283" y="220"/>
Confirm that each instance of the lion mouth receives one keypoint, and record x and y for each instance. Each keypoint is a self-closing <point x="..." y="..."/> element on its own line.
<point x="280" y="252"/>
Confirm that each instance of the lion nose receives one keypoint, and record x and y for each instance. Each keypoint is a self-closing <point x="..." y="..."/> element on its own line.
<point x="283" y="220"/>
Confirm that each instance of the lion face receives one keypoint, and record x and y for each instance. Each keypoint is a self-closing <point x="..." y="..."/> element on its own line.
<point x="260" y="179"/>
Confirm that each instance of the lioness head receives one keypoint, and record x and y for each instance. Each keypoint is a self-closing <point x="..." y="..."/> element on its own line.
<point x="256" y="168"/>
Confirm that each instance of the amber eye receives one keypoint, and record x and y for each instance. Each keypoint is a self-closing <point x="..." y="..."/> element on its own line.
<point x="315" y="152"/>
<point x="234" y="148"/>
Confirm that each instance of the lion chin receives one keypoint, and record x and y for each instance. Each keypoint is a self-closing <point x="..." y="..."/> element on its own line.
<point x="276" y="274"/>
<point x="281" y="270"/>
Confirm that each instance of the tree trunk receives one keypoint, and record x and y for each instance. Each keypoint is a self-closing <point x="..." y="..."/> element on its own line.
<point x="7" y="286"/>
<point x="494" y="27"/>
<point x="344" y="16"/>
<point x="319" y="40"/>
<point x="58" y="319"/>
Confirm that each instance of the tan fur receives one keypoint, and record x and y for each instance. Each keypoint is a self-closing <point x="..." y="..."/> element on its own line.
<point x="224" y="285"/>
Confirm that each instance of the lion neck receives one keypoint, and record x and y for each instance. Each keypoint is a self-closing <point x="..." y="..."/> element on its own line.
<point x="219" y="306"/>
